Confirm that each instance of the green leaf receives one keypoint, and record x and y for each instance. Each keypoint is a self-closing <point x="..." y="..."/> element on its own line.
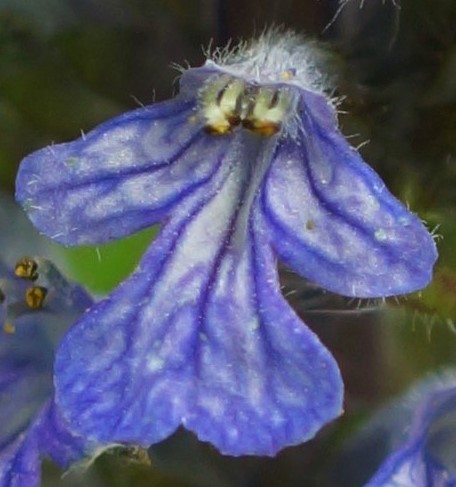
<point x="102" y="268"/>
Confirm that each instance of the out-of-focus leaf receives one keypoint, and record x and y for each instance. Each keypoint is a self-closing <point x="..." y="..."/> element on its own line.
<point x="101" y="268"/>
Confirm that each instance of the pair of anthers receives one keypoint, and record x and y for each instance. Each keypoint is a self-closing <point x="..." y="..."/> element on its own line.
<point x="228" y="103"/>
<point x="33" y="296"/>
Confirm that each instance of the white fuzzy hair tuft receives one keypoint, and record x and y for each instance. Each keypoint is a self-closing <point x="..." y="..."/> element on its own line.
<point x="278" y="55"/>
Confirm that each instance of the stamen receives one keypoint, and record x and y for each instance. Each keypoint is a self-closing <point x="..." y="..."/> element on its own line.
<point x="34" y="297"/>
<point x="50" y="290"/>
<point x="27" y="268"/>
<point x="228" y="102"/>
<point x="221" y="103"/>
<point x="270" y="107"/>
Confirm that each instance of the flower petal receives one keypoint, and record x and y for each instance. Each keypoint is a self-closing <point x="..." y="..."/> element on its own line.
<point x="406" y="468"/>
<point x="122" y="177"/>
<point x="409" y="443"/>
<point x="25" y="378"/>
<point x="334" y="221"/>
<point x="57" y="441"/>
<point x="209" y="343"/>
<point x="20" y="461"/>
<point x="427" y="457"/>
<point x="262" y="371"/>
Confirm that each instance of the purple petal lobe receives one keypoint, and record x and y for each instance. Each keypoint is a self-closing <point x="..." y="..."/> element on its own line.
<point x="20" y="460"/>
<point x="210" y="342"/>
<point x="426" y="458"/>
<point x="122" y="177"/>
<point x="409" y="443"/>
<point x="25" y="378"/>
<point x="20" y="463"/>
<point x="334" y="221"/>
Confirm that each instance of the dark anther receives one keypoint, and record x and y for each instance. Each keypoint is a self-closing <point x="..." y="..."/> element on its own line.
<point x="34" y="297"/>
<point x="26" y="268"/>
<point x="248" y="124"/>
<point x="234" y="120"/>
<point x="2" y="296"/>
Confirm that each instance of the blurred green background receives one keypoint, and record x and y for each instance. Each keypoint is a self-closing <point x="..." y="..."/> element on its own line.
<point x="66" y="65"/>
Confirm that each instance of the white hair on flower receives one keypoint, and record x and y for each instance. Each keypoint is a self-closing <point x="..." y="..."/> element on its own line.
<point x="277" y="56"/>
<point x="256" y="85"/>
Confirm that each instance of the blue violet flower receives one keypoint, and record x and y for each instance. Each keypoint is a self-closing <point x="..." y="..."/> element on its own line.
<point x="410" y="443"/>
<point x="37" y="305"/>
<point x="244" y="166"/>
